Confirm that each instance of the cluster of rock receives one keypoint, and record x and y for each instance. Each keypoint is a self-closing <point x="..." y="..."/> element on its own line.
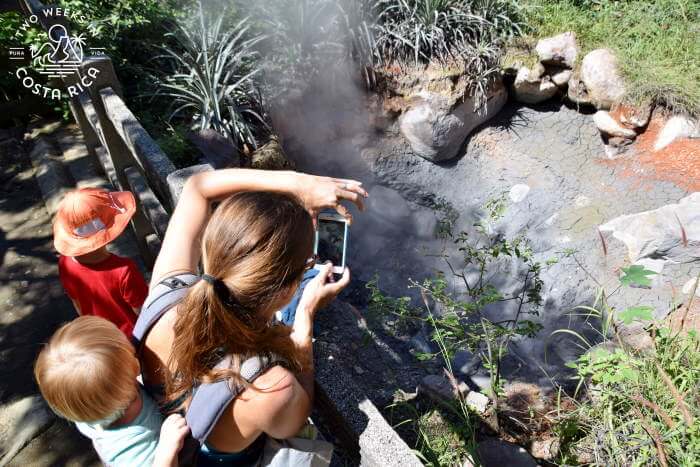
<point x="597" y="83"/>
<point x="436" y="112"/>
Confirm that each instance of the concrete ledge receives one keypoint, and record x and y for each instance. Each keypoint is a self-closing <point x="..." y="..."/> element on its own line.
<point x="147" y="200"/>
<point x="154" y="164"/>
<point x="177" y="179"/>
<point x="354" y="419"/>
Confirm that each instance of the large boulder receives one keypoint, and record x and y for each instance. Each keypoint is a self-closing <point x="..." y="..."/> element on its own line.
<point x="600" y="74"/>
<point x="271" y="156"/>
<point x="609" y="126"/>
<point x="531" y="87"/>
<point x="678" y="126"/>
<point x="671" y="232"/>
<point x="436" y="129"/>
<point x="561" y="76"/>
<point x="558" y="50"/>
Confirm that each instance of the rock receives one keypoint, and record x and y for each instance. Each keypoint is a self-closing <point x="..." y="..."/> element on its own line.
<point x="577" y="92"/>
<point x="632" y="116"/>
<point x="465" y="363"/>
<point x="518" y="193"/>
<point x="436" y="130"/>
<point x="601" y="75"/>
<point x="477" y="401"/>
<point x="545" y="449"/>
<point x="689" y="286"/>
<point x="678" y="126"/>
<point x="437" y="388"/>
<point x="537" y="72"/>
<point x="635" y="337"/>
<point x="494" y="452"/>
<point x="616" y="145"/>
<point x="684" y="318"/>
<point x="558" y="50"/>
<point x="271" y="156"/>
<point x="216" y="149"/>
<point x="561" y="77"/>
<point x="608" y="125"/>
<point x="529" y="88"/>
<point x="657" y="234"/>
<point x="421" y="343"/>
<point x="358" y="369"/>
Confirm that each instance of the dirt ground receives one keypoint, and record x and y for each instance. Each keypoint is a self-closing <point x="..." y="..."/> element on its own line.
<point x="32" y="306"/>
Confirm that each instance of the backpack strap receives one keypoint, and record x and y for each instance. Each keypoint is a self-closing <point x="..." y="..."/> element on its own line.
<point x="165" y="295"/>
<point x="209" y="400"/>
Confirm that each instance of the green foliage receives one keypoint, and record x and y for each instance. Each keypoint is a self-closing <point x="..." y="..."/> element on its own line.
<point x="470" y="33"/>
<point x="459" y="321"/>
<point x="212" y="78"/>
<point x="657" y="42"/>
<point x="636" y="275"/>
<point x="642" y="406"/>
<point x="400" y="308"/>
<point x="443" y="30"/>
<point x="641" y="313"/>
<point x="645" y="405"/>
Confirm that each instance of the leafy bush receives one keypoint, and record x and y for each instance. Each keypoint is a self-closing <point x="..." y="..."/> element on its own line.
<point x="641" y="406"/>
<point x="444" y="30"/>
<point x="469" y="33"/>
<point x="212" y="77"/>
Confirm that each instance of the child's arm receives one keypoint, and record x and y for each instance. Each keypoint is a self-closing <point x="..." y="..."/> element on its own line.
<point x="172" y="437"/>
<point x="180" y="249"/>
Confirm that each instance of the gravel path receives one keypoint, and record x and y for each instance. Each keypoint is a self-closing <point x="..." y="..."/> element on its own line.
<point x="32" y="306"/>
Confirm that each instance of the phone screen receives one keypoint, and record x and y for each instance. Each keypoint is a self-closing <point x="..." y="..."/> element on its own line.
<point x="331" y="242"/>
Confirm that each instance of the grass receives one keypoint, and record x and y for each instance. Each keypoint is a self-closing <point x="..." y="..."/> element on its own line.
<point x="640" y="407"/>
<point x="657" y="43"/>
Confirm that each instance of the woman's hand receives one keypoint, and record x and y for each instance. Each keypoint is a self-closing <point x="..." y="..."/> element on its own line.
<point x="317" y="193"/>
<point x="318" y="293"/>
<point x="322" y="289"/>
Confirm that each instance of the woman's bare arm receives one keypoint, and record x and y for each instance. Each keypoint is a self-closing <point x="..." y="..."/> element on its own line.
<point x="181" y="250"/>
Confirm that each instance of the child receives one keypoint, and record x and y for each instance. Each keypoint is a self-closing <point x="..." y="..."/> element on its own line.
<point x="98" y="282"/>
<point x="87" y="374"/>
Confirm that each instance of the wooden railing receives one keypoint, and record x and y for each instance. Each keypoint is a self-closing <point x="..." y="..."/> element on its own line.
<point x="130" y="158"/>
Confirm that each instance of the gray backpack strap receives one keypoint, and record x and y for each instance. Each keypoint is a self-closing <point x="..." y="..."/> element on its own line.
<point x="209" y="400"/>
<point x="165" y="295"/>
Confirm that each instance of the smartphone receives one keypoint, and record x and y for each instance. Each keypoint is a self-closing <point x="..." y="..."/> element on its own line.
<point x="331" y="240"/>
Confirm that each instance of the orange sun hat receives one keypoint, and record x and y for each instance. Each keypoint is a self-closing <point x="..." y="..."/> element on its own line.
<point x="90" y="218"/>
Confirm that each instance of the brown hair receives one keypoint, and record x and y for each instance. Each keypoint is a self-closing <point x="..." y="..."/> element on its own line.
<point x="254" y="251"/>
<point x="88" y="370"/>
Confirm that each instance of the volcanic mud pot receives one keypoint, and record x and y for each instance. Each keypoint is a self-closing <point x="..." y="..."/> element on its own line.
<point x="547" y="162"/>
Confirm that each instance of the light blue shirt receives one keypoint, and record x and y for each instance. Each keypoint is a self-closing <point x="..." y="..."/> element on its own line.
<point x="131" y="444"/>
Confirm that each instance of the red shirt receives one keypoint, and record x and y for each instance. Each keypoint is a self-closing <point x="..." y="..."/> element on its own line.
<point x="109" y="289"/>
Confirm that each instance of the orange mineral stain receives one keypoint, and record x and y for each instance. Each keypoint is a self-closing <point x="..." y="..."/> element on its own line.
<point x="678" y="163"/>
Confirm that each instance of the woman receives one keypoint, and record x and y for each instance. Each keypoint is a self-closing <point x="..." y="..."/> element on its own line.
<point x="254" y="252"/>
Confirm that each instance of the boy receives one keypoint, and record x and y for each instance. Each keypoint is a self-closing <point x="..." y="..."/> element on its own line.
<point x="87" y="374"/>
<point x="98" y="282"/>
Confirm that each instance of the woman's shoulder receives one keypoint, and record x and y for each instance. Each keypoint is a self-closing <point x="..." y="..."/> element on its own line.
<point x="272" y="390"/>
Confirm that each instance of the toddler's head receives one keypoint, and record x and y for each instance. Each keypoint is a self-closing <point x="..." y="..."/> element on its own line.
<point x="87" y="372"/>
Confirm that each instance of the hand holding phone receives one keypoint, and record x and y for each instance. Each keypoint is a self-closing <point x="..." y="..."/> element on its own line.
<point x="331" y="241"/>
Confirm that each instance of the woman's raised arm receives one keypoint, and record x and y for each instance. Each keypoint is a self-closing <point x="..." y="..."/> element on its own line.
<point x="181" y="250"/>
